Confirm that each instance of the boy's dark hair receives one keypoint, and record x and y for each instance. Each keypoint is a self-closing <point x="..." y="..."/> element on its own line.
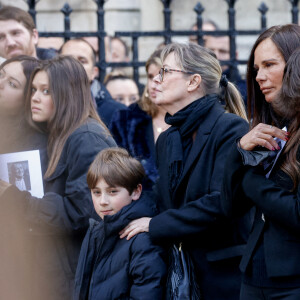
<point x="17" y="14"/>
<point x="117" y="168"/>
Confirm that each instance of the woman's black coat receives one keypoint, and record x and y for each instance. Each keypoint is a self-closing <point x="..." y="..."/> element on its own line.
<point x="194" y="216"/>
<point x="277" y="216"/>
<point x="58" y="221"/>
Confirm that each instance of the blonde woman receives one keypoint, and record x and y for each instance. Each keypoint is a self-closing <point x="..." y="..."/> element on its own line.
<point x="138" y="127"/>
<point x="191" y="155"/>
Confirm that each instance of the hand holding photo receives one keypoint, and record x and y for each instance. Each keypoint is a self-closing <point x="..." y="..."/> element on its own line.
<point x="3" y="186"/>
<point x="23" y="169"/>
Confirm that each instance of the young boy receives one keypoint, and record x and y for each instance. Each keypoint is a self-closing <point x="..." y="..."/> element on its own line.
<point x="110" y="267"/>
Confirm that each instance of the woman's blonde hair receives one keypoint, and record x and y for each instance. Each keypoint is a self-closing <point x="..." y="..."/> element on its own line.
<point x="145" y="103"/>
<point x="199" y="60"/>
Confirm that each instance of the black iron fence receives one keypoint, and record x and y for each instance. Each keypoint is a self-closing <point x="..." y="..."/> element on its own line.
<point x="167" y="33"/>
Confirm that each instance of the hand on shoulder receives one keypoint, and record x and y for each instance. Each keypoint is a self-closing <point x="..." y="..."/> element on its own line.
<point x="135" y="227"/>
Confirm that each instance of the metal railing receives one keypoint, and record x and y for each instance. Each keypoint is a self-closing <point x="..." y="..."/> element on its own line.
<point x="167" y="33"/>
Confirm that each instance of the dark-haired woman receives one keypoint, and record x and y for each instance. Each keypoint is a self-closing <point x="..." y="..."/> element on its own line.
<point x="60" y="104"/>
<point x="263" y="169"/>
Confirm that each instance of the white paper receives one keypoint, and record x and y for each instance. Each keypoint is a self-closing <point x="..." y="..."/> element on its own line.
<point x="23" y="169"/>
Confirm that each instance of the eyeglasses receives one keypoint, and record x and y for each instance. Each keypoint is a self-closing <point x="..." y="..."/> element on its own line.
<point x="162" y="72"/>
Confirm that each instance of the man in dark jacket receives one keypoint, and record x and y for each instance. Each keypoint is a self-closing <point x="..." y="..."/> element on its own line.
<point x="110" y="267"/>
<point x="221" y="47"/>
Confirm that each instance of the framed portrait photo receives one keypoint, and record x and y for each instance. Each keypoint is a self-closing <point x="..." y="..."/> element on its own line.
<point x="23" y="169"/>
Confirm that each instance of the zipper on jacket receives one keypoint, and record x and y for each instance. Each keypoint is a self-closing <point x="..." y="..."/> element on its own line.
<point x="95" y="264"/>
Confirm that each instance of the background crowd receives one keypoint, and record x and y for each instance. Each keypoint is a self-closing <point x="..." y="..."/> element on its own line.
<point x="196" y="169"/>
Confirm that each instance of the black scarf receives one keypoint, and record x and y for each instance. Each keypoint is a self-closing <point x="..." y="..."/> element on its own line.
<point x="180" y="134"/>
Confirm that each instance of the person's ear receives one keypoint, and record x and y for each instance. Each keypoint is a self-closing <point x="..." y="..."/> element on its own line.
<point x="35" y="36"/>
<point x="137" y="192"/>
<point x="95" y="72"/>
<point x="194" y="82"/>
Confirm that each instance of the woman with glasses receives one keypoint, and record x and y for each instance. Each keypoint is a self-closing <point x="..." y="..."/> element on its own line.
<point x="191" y="155"/>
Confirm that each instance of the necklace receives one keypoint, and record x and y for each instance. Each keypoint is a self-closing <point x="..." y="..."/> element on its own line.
<point x="160" y="128"/>
<point x="159" y="125"/>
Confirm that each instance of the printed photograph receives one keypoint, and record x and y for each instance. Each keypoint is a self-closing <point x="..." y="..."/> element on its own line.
<point x="19" y="175"/>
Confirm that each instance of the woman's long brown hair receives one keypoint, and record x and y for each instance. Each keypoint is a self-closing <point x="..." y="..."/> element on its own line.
<point x="70" y="91"/>
<point x="286" y="38"/>
<point x="287" y="106"/>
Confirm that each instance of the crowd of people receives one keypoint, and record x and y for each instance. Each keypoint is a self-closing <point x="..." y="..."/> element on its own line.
<point x="127" y="176"/>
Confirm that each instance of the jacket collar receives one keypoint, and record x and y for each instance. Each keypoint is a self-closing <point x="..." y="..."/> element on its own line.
<point x="202" y="136"/>
<point x="144" y="207"/>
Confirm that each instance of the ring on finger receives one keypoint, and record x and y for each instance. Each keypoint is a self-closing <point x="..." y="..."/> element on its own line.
<point x="271" y="126"/>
